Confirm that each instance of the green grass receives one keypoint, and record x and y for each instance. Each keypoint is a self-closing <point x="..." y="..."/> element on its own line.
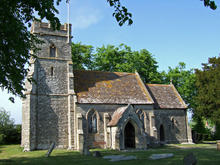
<point x="12" y="155"/>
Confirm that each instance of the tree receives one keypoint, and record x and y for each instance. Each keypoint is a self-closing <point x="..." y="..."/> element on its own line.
<point x="82" y="56"/>
<point x="184" y="81"/>
<point x="210" y="4"/>
<point x="16" y="41"/>
<point x="9" y="132"/>
<point x="208" y="86"/>
<point x="121" y="13"/>
<point x="116" y="59"/>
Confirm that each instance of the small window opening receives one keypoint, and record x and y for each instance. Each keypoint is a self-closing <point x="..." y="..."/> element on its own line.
<point x="51" y="71"/>
<point x="173" y="123"/>
<point x="52" y="51"/>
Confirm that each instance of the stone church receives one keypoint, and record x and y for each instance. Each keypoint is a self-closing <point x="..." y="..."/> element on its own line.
<point x="74" y="108"/>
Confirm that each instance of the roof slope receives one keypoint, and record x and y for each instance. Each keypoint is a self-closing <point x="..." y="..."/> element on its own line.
<point x="166" y="96"/>
<point x="117" y="115"/>
<point x="110" y="87"/>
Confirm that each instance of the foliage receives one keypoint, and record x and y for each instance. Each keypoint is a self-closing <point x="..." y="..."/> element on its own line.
<point x="9" y="133"/>
<point x="184" y="81"/>
<point x="116" y="59"/>
<point x="217" y="132"/>
<point x="16" y="41"/>
<point x="208" y="86"/>
<point x="82" y="56"/>
<point x="121" y="13"/>
<point x="200" y="130"/>
<point x="12" y="154"/>
<point x="210" y="4"/>
<point x="199" y="125"/>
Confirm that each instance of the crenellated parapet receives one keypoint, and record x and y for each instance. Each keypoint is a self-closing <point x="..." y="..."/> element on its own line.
<point x="43" y="28"/>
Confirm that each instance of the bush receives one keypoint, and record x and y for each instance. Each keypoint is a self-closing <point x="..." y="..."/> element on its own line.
<point x="13" y="135"/>
<point x="2" y="138"/>
<point x="9" y="132"/>
<point x="217" y="132"/>
<point x="200" y="131"/>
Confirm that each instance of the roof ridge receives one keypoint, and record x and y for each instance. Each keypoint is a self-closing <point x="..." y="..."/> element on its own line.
<point x="102" y="71"/>
<point x="159" y="84"/>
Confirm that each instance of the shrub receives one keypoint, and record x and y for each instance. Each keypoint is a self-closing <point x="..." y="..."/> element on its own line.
<point x="9" y="132"/>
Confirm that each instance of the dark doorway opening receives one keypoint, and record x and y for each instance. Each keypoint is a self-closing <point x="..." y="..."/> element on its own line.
<point x="162" y="136"/>
<point x="129" y="136"/>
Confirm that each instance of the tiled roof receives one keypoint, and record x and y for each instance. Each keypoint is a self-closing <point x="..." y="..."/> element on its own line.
<point x="166" y="96"/>
<point x="117" y="115"/>
<point x="110" y="87"/>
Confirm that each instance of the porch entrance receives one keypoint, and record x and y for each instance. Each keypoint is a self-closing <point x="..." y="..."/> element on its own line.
<point x="129" y="136"/>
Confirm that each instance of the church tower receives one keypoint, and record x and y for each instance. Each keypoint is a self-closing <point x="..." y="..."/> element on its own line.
<point x="47" y="110"/>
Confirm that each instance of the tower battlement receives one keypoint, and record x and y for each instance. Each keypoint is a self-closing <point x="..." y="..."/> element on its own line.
<point x="44" y="28"/>
<point x="56" y="43"/>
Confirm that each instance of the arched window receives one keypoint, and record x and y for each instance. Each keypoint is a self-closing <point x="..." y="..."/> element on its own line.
<point x="92" y="121"/>
<point x="141" y="114"/>
<point x="52" y="51"/>
<point x="173" y="123"/>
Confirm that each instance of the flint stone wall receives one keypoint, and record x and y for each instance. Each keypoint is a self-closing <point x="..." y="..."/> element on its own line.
<point x="52" y="121"/>
<point x="176" y="134"/>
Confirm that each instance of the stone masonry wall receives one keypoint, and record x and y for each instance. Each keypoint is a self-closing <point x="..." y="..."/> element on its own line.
<point x="174" y="124"/>
<point x="55" y="83"/>
<point x="29" y="126"/>
<point x="48" y="104"/>
<point x="175" y="133"/>
<point x="52" y="121"/>
<point x="98" y="139"/>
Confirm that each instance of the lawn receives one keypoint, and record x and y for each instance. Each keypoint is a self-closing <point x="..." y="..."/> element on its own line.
<point x="12" y="154"/>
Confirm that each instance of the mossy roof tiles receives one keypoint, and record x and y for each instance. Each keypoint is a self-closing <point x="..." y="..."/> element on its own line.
<point x="110" y="87"/>
<point x="98" y="87"/>
<point x="166" y="96"/>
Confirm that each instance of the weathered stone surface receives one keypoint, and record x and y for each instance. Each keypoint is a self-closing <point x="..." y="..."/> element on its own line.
<point x="97" y="154"/>
<point x="45" y="109"/>
<point x="86" y="152"/>
<point x="190" y="159"/>
<point x="160" y="156"/>
<point x="115" y="158"/>
<point x="50" y="149"/>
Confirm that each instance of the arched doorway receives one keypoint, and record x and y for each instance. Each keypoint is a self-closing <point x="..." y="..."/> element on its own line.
<point x="162" y="136"/>
<point x="129" y="136"/>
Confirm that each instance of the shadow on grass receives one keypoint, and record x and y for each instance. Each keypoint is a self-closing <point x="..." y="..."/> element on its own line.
<point x="1" y="147"/>
<point x="63" y="157"/>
